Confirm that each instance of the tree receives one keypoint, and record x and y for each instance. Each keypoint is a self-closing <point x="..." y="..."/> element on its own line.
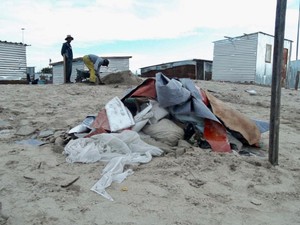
<point x="47" y="70"/>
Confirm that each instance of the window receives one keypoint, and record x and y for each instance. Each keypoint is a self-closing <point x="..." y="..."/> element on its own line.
<point x="268" y="53"/>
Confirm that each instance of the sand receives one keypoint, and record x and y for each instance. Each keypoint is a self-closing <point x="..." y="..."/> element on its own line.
<point x="197" y="187"/>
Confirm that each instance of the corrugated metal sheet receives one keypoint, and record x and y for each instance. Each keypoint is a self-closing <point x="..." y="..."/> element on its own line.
<point x="243" y="58"/>
<point x="193" y="69"/>
<point x="291" y="78"/>
<point x="12" y="61"/>
<point x="182" y="71"/>
<point x="168" y="65"/>
<point x="116" y="64"/>
<point x="235" y="59"/>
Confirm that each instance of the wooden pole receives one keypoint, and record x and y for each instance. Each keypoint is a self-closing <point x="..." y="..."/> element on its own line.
<point x="65" y="69"/>
<point x="276" y="81"/>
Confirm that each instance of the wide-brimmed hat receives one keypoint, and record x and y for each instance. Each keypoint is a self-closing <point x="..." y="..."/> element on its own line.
<point x="69" y="37"/>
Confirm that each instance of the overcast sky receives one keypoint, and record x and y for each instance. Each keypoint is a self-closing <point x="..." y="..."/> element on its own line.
<point x="151" y="31"/>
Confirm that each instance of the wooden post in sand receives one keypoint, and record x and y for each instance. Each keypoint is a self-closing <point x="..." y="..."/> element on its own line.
<point x="276" y="84"/>
<point x="65" y="69"/>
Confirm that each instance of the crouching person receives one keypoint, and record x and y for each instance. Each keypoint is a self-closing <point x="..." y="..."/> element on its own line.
<point x="94" y="63"/>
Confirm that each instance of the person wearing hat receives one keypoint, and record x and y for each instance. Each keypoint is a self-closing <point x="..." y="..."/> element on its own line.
<point x="67" y="53"/>
<point x="93" y="63"/>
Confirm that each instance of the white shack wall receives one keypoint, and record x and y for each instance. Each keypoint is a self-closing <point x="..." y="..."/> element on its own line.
<point x="12" y="61"/>
<point x="115" y="65"/>
<point x="263" y="68"/>
<point x="58" y="73"/>
<point x="235" y="59"/>
<point x="243" y="59"/>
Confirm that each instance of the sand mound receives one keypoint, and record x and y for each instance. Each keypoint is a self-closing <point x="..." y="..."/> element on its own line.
<point x="124" y="77"/>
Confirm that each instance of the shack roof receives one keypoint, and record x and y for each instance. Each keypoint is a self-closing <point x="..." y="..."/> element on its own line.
<point x="176" y="63"/>
<point x="14" y="43"/>
<point x="80" y="59"/>
<point x="245" y="35"/>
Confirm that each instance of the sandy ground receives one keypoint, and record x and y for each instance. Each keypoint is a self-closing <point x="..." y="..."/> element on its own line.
<point x="198" y="187"/>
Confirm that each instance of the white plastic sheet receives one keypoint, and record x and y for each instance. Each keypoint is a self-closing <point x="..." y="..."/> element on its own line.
<point x="152" y="113"/>
<point x="85" y="126"/>
<point x="117" y="148"/>
<point x="119" y="117"/>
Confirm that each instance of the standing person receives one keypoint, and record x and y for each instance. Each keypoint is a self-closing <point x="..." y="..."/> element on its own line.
<point x="93" y="63"/>
<point x="67" y="53"/>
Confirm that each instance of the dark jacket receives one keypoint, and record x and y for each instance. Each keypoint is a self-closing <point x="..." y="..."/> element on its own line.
<point x="67" y="50"/>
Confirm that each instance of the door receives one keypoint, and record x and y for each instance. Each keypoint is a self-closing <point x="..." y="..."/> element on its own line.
<point x="284" y="67"/>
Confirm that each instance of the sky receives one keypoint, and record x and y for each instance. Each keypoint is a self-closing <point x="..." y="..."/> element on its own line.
<point x="151" y="31"/>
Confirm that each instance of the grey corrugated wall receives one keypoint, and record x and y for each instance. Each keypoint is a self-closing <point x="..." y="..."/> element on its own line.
<point x="291" y="78"/>
<point x="235" y="59"/>
<point x="12" y="61"/>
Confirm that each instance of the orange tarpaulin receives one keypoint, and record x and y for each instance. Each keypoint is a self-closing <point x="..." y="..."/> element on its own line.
<point x="215" y="135"/>
<point x="234" y="120"/>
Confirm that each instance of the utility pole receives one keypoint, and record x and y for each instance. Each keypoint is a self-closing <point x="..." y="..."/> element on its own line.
<point x="22" y="34"/>
<point x="276" y="81"/>
<point x="298" y="72"/>
<point x="298" y="32"/>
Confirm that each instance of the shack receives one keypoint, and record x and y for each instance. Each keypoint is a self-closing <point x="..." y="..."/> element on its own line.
<point x="197" y="69"/>
<point x="292" y="80"/>
<point x="116" y="64"/>
<point x="12" y="61"/>
<point x="248" y="58"/>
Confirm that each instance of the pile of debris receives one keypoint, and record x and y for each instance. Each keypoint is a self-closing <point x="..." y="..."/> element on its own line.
<point x="160" y="115"/>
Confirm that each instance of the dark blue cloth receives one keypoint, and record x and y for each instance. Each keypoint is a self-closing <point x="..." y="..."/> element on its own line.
<point x="67" y="51"/>
<point x="68" y="70"/>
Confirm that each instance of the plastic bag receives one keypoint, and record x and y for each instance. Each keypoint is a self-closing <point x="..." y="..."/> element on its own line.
<point x="117" y="148"/>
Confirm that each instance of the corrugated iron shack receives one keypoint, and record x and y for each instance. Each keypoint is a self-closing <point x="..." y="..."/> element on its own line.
<point x="291" y="78"/>
<point x="12" y="61"/>
<point x="197" y="69"/>
<point x="248" y="58"/>
<point x="116" y="64"/>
